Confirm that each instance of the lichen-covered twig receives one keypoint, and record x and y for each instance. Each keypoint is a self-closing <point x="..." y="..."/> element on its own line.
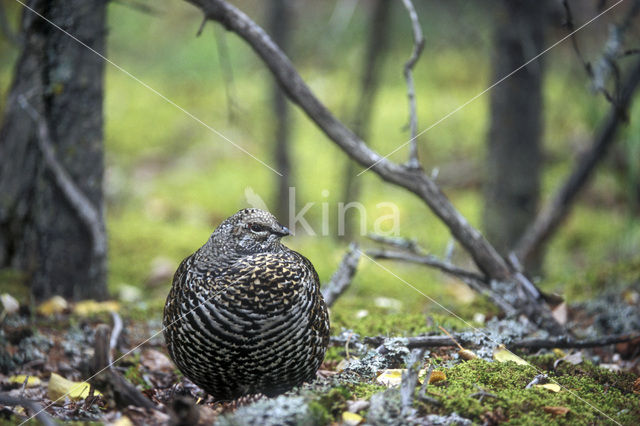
<point x="410" y="380"/>
<point x="569" y="342"/>
<point x="418" y="47"/>
<point x="531" y="343"/>
<point x="343" y="276"/>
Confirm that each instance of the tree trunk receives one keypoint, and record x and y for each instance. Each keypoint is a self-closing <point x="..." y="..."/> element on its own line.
<point x="371" y="67"/>
<point x="514" y="158"/>
<point x="58" y="83"/>
<point x="279" y="23"/>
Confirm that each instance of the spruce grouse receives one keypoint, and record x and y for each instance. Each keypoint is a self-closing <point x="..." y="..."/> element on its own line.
<point x="245" y="314"/>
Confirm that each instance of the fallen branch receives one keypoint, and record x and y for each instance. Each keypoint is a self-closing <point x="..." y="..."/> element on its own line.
<point x="569" y="342"/>
<point x="562" y="342"/>
<point x="418" y="47"/>
<point x="115" y="387"/>
<point x="41" y="415"/>
<point x="343" y="276"/>
<point x="484" y="254"/>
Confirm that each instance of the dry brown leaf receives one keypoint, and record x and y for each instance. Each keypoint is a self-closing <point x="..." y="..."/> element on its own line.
<point x="156" y="361"/>
<point x="437" y="376"/>
<point x="556" y="411"/>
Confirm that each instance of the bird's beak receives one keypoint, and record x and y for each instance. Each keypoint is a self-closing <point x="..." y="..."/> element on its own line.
<point x="285" y="231"/>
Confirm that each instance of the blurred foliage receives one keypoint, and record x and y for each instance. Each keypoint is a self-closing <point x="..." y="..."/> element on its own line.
<point x="170" y="180"/>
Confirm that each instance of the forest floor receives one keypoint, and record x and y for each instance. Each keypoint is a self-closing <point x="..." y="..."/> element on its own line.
<point x="360" y="380"/>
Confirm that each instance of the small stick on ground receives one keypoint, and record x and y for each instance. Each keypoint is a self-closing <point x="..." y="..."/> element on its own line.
<point x="109" y="381"/>
<point x="41" y="415"/>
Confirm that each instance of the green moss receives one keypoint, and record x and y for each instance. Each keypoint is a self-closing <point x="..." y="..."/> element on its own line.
<point x="588" y="389"/>
<point x="335" y="401"/>
<point x="133" y="375"/>
<point x="364" y="390"/>
<point x="394" y="324"/>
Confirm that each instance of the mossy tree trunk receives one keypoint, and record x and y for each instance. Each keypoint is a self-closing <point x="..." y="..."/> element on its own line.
<point x="515" y="132"/>
<point x="58" y="85"/>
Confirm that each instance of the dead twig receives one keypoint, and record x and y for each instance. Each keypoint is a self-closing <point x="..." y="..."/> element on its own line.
<point x="343" y="276"/>
<point x="115" y="387"/>
<point x="41" y="415"/>
<point x="418" y="47"/>
<point x="410" y="380"/>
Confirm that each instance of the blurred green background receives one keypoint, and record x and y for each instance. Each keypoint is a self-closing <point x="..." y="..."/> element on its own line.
<point x="170" y="180"/>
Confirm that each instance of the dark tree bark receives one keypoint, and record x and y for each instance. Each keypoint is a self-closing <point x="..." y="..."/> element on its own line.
<point x="279" y="23"/>
<point x="371" y="67"/>
<point x="51" y="153"/>
<point x="514" y="158"/>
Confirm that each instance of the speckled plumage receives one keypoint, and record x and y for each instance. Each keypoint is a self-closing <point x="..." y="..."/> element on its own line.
<point x="245" y="314"/>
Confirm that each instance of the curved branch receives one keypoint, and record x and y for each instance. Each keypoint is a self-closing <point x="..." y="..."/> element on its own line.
<point x="485" y="255"/>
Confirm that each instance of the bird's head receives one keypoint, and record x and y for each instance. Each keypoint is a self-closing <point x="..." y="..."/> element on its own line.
<point x="250" y="231"/>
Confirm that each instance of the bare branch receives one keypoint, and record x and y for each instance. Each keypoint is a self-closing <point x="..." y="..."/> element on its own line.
<point x="425" y="259"/>
<point x="398" y="242"/>
<point x="41" y="415"/>
<point x="87" y="213"/>
<point x="418" y="47"/>
<point x="548" y="220"/>
<point x="343" y="276"/>
<point x="484" y="254"/>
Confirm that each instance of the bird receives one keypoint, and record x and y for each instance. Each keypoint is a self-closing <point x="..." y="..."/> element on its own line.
<point x="245" y="315"/>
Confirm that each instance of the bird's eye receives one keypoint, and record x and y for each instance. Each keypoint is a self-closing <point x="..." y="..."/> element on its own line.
<point x="257" y="228"/>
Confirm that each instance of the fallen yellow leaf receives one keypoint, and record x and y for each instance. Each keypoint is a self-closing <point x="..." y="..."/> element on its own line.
<point x="20" y="378"/>
<point x="55" y="305"/>
<point x="60" y="387"/>
<point x="88" y="307"/>
<point x="351" y="419"/>
<point x="122" y="421"/>
<point x="390" y="377"/>
<point x="502" y="354"/>
<point x="550" y="386"/>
